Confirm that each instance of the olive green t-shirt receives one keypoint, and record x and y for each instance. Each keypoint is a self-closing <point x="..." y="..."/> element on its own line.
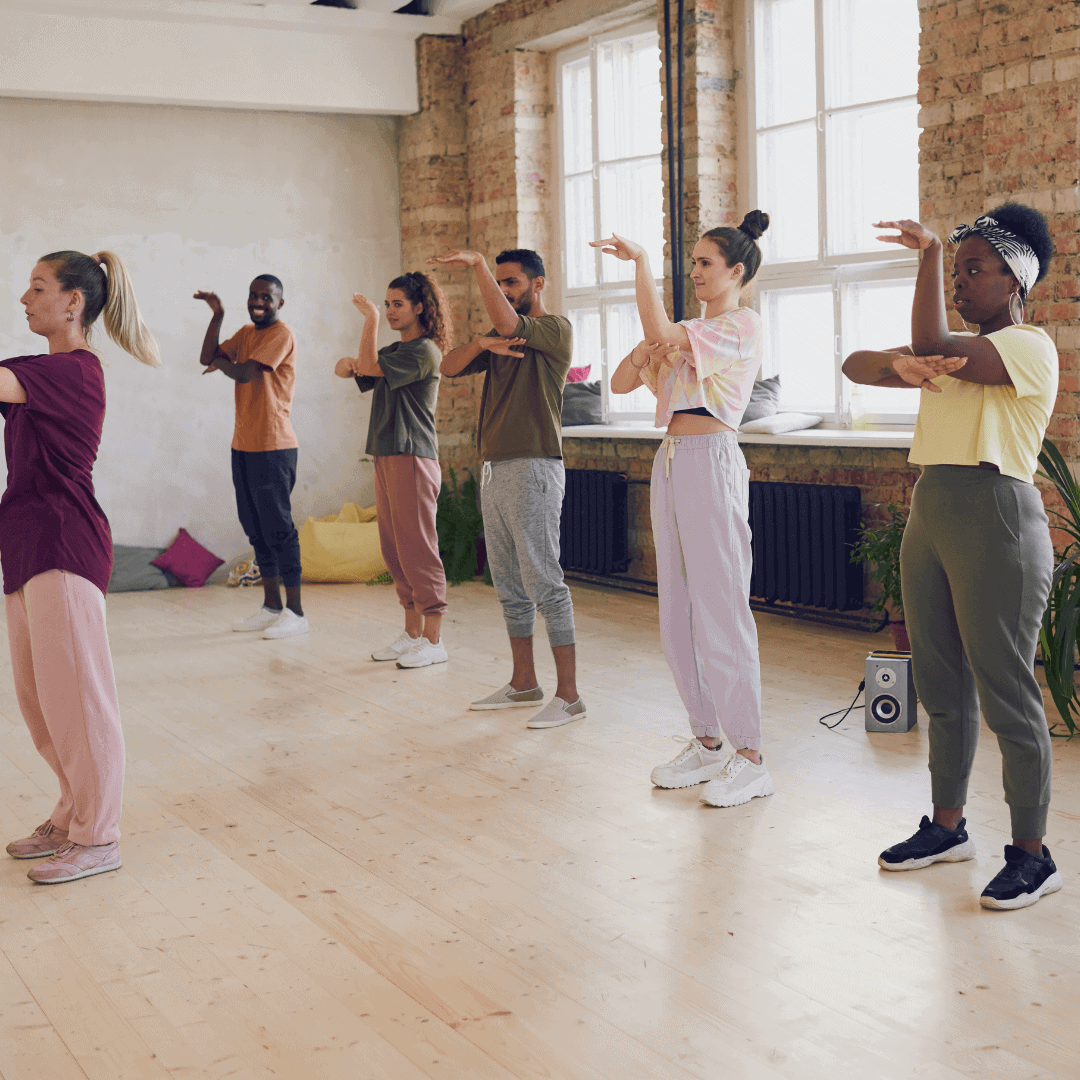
<point x="521" y="403"/>
<point x="403" y="407"/>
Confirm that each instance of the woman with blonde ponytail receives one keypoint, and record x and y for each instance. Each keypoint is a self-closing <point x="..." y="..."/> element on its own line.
<point x="56" y="554"/>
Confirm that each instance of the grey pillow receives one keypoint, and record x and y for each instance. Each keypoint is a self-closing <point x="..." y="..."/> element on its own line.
<point x="132" y="571"/>
<point x="764" y="400"/>
<point x="582" y="404"/>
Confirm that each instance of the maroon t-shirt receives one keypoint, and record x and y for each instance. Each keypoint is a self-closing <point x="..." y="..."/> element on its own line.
<point x="49" y="518"/>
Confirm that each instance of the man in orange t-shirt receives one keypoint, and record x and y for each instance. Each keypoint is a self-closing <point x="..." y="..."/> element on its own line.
<point x="260" y="358"/>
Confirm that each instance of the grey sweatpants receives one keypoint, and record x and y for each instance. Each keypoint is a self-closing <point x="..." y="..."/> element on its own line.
<point x="521" y="501"/>
<point x="975" y="565"/>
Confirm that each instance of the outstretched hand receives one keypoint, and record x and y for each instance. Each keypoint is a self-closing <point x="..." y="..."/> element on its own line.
<point x="502" y="346"/>
<point x="912" y="234"/>
<point x="620" y="247"/>
<point x="212" y="299"/>
<point x="456" y="259"/>
<point x="366" y="307"/>
<point x="919" y="370"/>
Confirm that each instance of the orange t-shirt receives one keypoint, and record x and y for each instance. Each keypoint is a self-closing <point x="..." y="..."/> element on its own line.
<point x="263" y="405"/>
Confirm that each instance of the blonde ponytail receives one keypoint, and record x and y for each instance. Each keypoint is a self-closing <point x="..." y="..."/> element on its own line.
<point x="122" y="318"/>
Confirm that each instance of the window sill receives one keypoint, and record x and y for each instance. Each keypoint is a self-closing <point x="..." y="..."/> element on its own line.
<point x="898" y="438"/>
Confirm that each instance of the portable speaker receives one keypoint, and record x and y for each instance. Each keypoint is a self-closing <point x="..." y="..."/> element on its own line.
<point x="890" y="692"/>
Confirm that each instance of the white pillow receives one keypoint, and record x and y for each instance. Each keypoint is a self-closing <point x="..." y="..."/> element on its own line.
<point x="781" y="422"/>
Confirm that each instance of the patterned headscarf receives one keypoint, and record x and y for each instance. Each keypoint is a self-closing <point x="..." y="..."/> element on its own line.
<point x="1018" y="254"/>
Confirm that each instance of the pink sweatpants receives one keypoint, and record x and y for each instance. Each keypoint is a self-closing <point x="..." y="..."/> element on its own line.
<point x="64" y="684"/>
<point x="406" y="494"/>
<point x="700" y="499"/>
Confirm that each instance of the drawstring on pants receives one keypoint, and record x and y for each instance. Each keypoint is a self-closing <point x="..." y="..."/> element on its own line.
<point x="485" y="474"/>
<point x="670" y="442"/>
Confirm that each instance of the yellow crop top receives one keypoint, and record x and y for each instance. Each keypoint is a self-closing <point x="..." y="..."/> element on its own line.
<point x="971" y="422"/>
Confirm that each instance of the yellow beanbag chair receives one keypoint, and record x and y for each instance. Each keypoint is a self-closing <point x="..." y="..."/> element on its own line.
<point x="342" y="547"/>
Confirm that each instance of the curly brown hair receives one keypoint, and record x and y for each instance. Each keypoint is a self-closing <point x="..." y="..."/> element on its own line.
<point x="435" y="318"/>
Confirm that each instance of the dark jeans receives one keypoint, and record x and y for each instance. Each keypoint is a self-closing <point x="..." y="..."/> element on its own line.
<point x="264" y="482"/>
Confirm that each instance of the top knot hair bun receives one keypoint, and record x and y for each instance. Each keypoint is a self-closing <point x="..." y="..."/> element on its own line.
<point x="755" y="223"/>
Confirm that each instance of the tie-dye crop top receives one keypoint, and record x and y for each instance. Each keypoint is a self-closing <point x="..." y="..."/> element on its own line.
<point x="717" y="372"/>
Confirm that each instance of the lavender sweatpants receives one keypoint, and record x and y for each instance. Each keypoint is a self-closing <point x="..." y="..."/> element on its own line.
<point x="700" y="506"/>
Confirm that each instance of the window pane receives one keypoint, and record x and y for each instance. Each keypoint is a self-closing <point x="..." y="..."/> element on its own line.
<point x="871" y="50"/>
<point x="628" y="88"/>
<point x="631" y="204"/>
<point x="580" y="258"/>
<point x="786" y="72"/>
<point x="799" y="348"/>
<point x="587" y="347"/>
<point x="577" y="116"/>
<point x="787" y="167"/>
<point x="877" y="315"/>
<point x="872" y="159"/>
<point x="623" y="333"/>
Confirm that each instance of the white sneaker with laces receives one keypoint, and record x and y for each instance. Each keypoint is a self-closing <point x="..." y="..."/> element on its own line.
<point x="399" y="645"/>
<point x="423" y="655"/>
<point x="262" y="618"/>
<point x="695" y="764"/>
<point x="287" y="624"/>
<point x="739" y="781"/>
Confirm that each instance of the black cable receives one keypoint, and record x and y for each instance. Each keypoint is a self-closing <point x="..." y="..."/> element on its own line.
<point x="854" y="701"/>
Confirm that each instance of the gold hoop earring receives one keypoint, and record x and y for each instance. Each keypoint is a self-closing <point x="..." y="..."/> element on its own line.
<point x="71" y="316"/>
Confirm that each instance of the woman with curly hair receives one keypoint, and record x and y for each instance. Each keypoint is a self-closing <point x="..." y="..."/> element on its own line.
<point x="976" y="561"/>
<point x="56" y="550"/>
<point x="702" y="372"/>
<point x="402" y="440"/>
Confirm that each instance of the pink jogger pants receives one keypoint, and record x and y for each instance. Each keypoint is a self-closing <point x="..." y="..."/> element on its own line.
<point x="64" y="684"/>
<point x="699" y="500"/>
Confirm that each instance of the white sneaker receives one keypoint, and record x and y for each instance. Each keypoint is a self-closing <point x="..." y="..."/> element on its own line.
<point x="695" y="764"/>
<point x="397" y="647"/>
<point x="263" y="618"/>
<point x="287" y="624"/>
<point x="739" y="781"/>
<point x="423" y="655"/>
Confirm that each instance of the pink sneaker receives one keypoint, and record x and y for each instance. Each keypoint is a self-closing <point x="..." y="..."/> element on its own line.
<point x="45" y="840"/>
<point x="74" y="861"/>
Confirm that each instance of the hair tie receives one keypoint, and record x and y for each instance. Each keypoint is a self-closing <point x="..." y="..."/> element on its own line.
<point x="97" y="258"/>
<point x="1018" y="255"/>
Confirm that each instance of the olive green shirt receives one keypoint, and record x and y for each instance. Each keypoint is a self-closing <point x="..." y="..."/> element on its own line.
<point x="403" y="407"/>
<point x="521" y="403"/>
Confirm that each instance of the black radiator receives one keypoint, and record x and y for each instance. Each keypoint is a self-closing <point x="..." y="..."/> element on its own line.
<point x="803" y="536"/>
<point x="595" y="533"/>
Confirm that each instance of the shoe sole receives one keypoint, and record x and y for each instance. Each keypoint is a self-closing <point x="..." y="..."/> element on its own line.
<point x="746" y="794"/>
<point x="1051" y="885"/>
<point x="76" y="877"/>
<point x="430" y="663"/>
<point x="282" y="637"/>
<point x="690" y="780"/>
<point x="476" y="706"/>
<point x="960" y="853"/>
<point x="251" y="629"/>
<point x="555" y="723"/>
<point x="35" y="854"/>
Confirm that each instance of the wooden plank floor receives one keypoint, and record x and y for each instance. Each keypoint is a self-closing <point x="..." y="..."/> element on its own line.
<point x="333" y="870"/>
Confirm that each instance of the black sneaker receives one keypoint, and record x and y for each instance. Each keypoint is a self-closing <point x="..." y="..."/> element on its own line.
<point x="1022" y="880"/>
<point x="931" y="844"/>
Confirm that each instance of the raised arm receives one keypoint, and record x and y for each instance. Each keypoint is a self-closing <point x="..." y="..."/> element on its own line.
<point x="366" y="361"/>
<point x="899" y="369"/>
<point x="213" y="357"/>
<point x="654" y="321"/>
<point x="500" y="311"/>
<point x="930" y="334"/>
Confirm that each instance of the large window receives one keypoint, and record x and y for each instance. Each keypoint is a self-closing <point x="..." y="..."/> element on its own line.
<point x="836" y="148"/>
<point x="610" y="181"/>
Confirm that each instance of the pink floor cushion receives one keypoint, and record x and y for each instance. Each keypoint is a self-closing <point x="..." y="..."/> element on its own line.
<point x="578" y="374"/>
<point x="188" y="561"/>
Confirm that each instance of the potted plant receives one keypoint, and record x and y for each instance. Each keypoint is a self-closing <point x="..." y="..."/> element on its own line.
<point x="458" y="522"/>
<point x="879" y="546"/>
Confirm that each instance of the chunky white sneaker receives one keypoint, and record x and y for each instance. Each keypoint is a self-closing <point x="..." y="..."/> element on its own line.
<point x="400" y="645"/>
<point x="509" y="698"/>
<point x="287" y="624"/>
<point x="263" y="618"/>
<point x="556" y="713"/>
<point x="423" y="655"/>
<point x="695" y="764"/>
<point x="739" y="781"/>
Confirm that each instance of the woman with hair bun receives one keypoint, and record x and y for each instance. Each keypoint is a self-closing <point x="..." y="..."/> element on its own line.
<point x="56" y="551"/>
<point x="977" y="561"/>
<point x="402" y="440"/>
<point x="702" y="372"/>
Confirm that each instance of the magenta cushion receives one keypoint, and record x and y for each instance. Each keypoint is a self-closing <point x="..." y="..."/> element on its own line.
<point x="188" y="561"/>
<point x="578" y="374"/>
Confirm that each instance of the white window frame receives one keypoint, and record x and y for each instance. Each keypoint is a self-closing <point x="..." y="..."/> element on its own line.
<point x="604" y="293"/>
<point x="833" y="270"/>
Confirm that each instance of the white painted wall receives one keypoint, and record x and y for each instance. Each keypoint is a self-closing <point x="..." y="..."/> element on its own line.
<point x="206" y="199"/>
